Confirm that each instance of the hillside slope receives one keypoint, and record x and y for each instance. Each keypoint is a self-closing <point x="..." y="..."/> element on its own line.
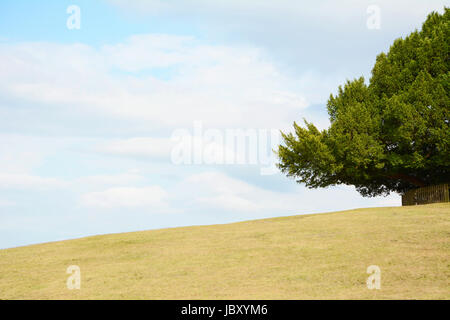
<point x="299" y="257"/>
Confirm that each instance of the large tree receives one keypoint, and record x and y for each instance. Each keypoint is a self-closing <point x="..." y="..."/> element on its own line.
<point x="390" y="135"/>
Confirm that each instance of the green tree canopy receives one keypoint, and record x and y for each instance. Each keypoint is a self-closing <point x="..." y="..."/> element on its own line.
<point x="390" y="135"/>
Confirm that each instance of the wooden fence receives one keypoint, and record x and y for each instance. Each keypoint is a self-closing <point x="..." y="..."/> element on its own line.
<point x="430" y="194"/>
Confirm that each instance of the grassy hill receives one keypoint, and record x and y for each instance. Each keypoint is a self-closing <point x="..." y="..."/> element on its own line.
<point x="299" y="257"/>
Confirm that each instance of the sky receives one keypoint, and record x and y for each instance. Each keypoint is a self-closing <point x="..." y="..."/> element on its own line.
<point x="120" y="116"/>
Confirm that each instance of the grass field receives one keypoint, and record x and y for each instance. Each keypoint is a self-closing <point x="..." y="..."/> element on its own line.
<point x="322" y="256"/>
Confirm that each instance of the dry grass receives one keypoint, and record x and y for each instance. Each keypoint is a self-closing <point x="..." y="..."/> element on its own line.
<point x="300" y="257"/>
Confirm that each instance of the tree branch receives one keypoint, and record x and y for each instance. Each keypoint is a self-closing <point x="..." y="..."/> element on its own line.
<point x="413" y="180"/>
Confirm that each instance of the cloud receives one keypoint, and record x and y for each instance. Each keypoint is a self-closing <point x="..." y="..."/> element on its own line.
<point x="244" y="15"/>
<point x="149" y="51"/>
<point x="123" y="197"/>
<point x="117" y="179"/>
<point x="218" y="191"/>
<point x="6" y="203"/>
<point x="26" y="181"/>
<point x="391" y="201"/>
<point x="327" y="37"/>
<point x="327" y="8"/>
<point x="147" y="147"/>
<point x="19" y="154"/>
<point x="224" y="86"/>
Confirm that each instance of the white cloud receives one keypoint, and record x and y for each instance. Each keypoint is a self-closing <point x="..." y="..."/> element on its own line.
<point x="26" y="181"/>
<point x="327" y="37"/>
<point x="221" y="85"/>
<point x="285" y="11"/>
<point x="117" y="179"/>
<point x="181" y="148"/>
<point x="148" y="197"/>
<point x="230" y="202"/>
<point x="138" y="147"/>
<point x="149" y="51"/>
<point x="392" y="200"/>
<point x="216" y="190"/>
<point x="6" y="203"/>
<point x="19" y="154"/>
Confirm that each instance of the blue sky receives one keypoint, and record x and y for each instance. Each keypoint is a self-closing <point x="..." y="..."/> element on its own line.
<point x="88" y="116"/>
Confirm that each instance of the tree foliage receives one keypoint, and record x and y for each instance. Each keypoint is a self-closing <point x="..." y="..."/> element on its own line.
<point x="391" y="135"/>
